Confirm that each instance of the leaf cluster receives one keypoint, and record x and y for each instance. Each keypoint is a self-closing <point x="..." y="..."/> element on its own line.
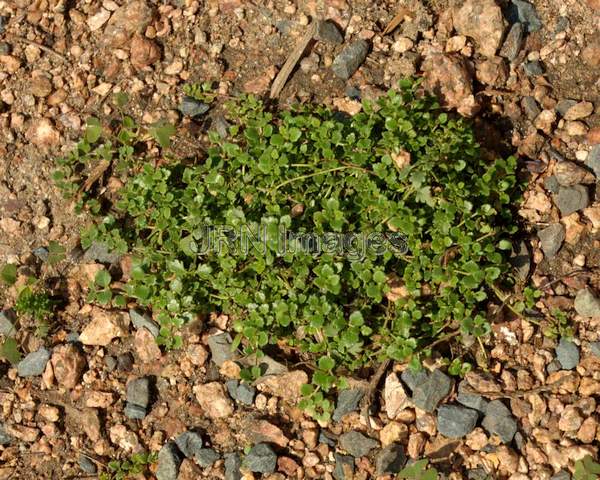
<point x="399" y="167"/>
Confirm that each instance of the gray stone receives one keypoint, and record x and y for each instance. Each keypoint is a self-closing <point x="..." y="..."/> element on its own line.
<point x="587" y="304"/>
<point x="190" y="107"/>
<point x="551" y="184"/>
<point x="593" y="160"/>
<point x="471" y="400"/>
<point x="125" y="362"/>
<point x="552" y="238"/>
<point x="348" y="401"/>
<point x="343" y="463"/>
<point x="430" y="393"/>
<point x="499" y="421"/>
<point x="594" y="348"/>
<point x="245" y="394"/>
<point x="564" y="106"/>
<point x="328" y="32"/>
<point x="567" y="353"/>
<point x="562" y="475"/>
<point x="527" y="15"/>
<point x="205" y="457"/>
<point x="412" y="378"/>
<point x="562" y="24"/>
<point x="5" y="438"/>
<point x="34" y="363"/>
<point x="5" y="48"/>
<point x="572" y="199"/>
<point x="390" y="460"/>
<point x="110" y="362"/>
<point x="169" y="461"/>
<point x="530" y="107"/>
<point x="144" y="321"/>
<point x="41" y="253"/>
<point x="220" y="348"/>
<point x="138" y="391"/>
<point x="241" y="392"/>
<point x="326" y="440"/>
<point x="7" y="328"/>
<point x="512" y="44"/>
<point x="98" y="252"/>
<point x="357" y="444"/>
<point x="233" y="463"/>
<point x="454" y="421"/>
<point x="350" y="59"/>
<point x="189" y="443"/>
<point x="555" y="155"/>
<point x="87" y="465"/>
<point x="261" y="459"/>
<point x="521" y="259"/>
<point x="134" y="412"/>
<point x="533" y="68"/>
<point x="553" y="366"/>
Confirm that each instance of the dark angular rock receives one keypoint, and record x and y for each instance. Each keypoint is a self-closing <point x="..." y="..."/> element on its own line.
<point x="528" y="15"/>
<point x="552" y="238"/>
<point x="261" y="459"/>
<point x="562" y="475"/>
<point x="412" y="378"/>
<point x="593" y="160"/>
<point x="328" y="32"/>
<point x="41" y="253"/>
<point x="348" y="401"/>
<point x="567" y="353"/>
<point x="98" y="252"/>
<point x="125" y="362"/>
<point x="326" y="440"/>
<point x="169" y="461"/>
<point x="430" y="393"/>
<point x="499" y="421"/>
<point x="390" y="460"/>
<point x="110" y="362"/>
<point x="512" y="44"/>
<point x="533" y="68"/>
<point x="205" y="457"/>
<point x="87" y="465"/>
<point x="530" y="107"/>
<point x="34" y="363"/>
<point x="551" y="184"/>
<point x="233" y="463"/>
<point x="190" y="107"/>
<point x="471" y="400"/>
<point x="456" y="422"/>
<point x="241" y="392"/>
<point x="7" y="326"/>
<point x="572" y="199"/>
<point x="521" y="259"/>
<point x="144" y="321"/>
<point x="138" y="391"/>
<point x="564" y="106"/>
<point x="343" y="464"/>
<point x="357" y="444"/>
<point x="189" y="443"/>
<point x="134" y="411"/>
<point x="5" y="438"/>
<point x="594" y="348"/>
<point x="562" y="24"/>
<point x="350" y="59"/>
<point x="220" y="348"/>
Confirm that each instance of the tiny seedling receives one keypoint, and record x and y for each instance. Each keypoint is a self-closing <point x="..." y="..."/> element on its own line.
<point x="124" y="469"/>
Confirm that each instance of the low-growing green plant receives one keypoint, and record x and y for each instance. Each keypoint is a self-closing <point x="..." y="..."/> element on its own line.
<point x="33" y="302"/>
<point x="203" y="92"/>
<point x="123" y="469"/>
<point x="586" y="469"/>
<point x="350" y="239"/>
<point x="418" y="471"/>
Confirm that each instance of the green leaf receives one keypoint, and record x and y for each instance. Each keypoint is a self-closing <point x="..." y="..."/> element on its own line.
<point x="10" y="350"/>
<point x="56" y="253"/>
<point x="93" y="130"/>
<point x="162" y="132"/>
<point x="8" y="274"/>
<point x="326" y="364"/>
<point x="102" y="278"/>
